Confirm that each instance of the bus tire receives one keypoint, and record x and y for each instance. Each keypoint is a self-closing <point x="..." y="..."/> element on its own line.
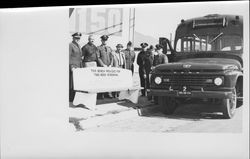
<point x="167" y="104"/>
<point x="229" y="105"/>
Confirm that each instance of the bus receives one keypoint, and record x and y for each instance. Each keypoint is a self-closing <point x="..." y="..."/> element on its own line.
<point x="205" y="62"/>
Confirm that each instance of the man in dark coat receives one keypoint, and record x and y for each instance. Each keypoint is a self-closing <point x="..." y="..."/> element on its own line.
<point x="105" y="59"/>
<point x="159" y="57"/>
<point x="140" y="62"/>
<point x="148" y="63"/>
<point x="89" y="52"/>
<point x="75" y="61"/>
<point x="130" y="57"/>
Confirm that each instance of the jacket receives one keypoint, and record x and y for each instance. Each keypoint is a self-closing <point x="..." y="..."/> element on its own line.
<point x="75" y="55"/>
<point x="160" y="59"/>
<point x="130" y="58"/>
<point x="89" y="52"/>
<point x="119" y="60"/>
<point x="104" y="55"/>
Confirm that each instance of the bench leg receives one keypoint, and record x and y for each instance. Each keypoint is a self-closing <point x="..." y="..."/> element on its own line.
<point x="87" y="99"/>
<point x="131" y="95"/>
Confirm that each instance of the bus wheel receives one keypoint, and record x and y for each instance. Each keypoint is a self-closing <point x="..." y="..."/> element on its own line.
<point x="167" y="104"/>
<point x="229" y="105"/>
<point x="239" y="93"/>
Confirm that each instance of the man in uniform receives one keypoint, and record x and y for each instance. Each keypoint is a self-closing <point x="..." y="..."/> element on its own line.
<point x="159" y="57"/>
<point x="104" y="53"/>
<point x="89" y="51"/>
<point x="148" y="63"/>
<point x="130" y="57"/>
<point x="140" y="62"/>
<point x="75" y="61"/>
<point x="105" y="59"/>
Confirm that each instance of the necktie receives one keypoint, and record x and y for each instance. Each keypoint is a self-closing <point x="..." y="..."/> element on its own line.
<point x="120" y="60"/>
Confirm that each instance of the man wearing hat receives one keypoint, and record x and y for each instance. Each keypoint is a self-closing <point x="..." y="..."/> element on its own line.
<point x="105" y="59"/>
<point x="89" y="52"/>
<point x="148" y="63"/>
<point x="119" y="57"/>
<point x="141" y="63"/>
<point x="119" y="61"/>
<point x="130" y="57"/>
<point x="159" y="57"/>
<point x="104" y="53"/>
<point x="75" y="61"/>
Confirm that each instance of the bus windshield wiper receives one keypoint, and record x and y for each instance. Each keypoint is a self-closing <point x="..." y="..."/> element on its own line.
<point x="215" y="38"/>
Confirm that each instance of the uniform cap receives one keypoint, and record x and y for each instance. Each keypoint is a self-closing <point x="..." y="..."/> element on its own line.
<point x="104" y="37"/>
<point x="119" y="45"/>
<point x="151" y="47"/>
<point x="129" y="43"/>
<point x="144" y="45"/>
<point x="158" y="46"/>
<point x="77" y="35"/>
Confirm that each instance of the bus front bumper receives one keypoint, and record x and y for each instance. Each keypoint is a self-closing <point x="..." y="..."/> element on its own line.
<point x="191" y="94"/>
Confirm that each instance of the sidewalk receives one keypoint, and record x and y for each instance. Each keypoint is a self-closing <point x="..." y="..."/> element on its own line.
<point x="108" y="110"/>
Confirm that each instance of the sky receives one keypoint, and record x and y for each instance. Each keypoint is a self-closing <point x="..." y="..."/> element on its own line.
<point x="155" y="20"/>
<point x="159" y="20"/>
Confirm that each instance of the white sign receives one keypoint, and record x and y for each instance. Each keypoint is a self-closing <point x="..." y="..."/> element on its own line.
<point x="102" y="79"/>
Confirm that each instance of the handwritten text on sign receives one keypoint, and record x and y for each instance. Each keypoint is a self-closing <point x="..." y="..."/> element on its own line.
<point x="100" y="78"/>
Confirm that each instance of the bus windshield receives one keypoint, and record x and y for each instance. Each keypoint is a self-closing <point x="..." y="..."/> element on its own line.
<point x="217" y="42"/>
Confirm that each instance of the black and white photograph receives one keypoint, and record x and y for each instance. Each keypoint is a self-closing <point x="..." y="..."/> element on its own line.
<point x="146" y="80"/>
<point x="185" y="72"/>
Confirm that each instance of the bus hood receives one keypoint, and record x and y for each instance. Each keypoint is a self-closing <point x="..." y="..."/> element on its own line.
<point x="201" y="64"/>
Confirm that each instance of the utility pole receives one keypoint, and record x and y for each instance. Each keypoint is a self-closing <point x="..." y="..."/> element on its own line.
<point x="171" y="38"/>
<point x="134" y="27"/>
<point x="129" y="25"/>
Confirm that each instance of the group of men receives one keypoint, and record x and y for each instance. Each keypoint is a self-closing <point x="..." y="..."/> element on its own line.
<point x="98" y="56"/>
<point x="103" y="56"/>
<point x="147" y="59"/>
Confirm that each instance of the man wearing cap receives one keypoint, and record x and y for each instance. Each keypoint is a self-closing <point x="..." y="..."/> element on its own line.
<point x="104" y="53"/>
<point x="130" y="57"/>
<point x="140" y="62"/>
<point x="148" y="63"/>
<point x="75" y="61"/>
<point x="105" y="59"/>
<point x="159" y="58"/>
<point x="89" y="52"/>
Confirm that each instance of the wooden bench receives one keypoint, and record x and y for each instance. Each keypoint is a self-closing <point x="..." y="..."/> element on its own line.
<point x="92" y="80"/>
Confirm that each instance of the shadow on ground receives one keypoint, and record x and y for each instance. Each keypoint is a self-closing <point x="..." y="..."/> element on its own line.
<point x="193" y="110"/>
<point x="189" y="110"/>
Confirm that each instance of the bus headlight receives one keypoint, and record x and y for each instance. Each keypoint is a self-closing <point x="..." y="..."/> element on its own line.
<point x="158" y="80"/>
<point x="218" y="81"/>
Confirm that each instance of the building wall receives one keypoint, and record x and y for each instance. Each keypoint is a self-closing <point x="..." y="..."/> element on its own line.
<point x="115" y="22"/>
